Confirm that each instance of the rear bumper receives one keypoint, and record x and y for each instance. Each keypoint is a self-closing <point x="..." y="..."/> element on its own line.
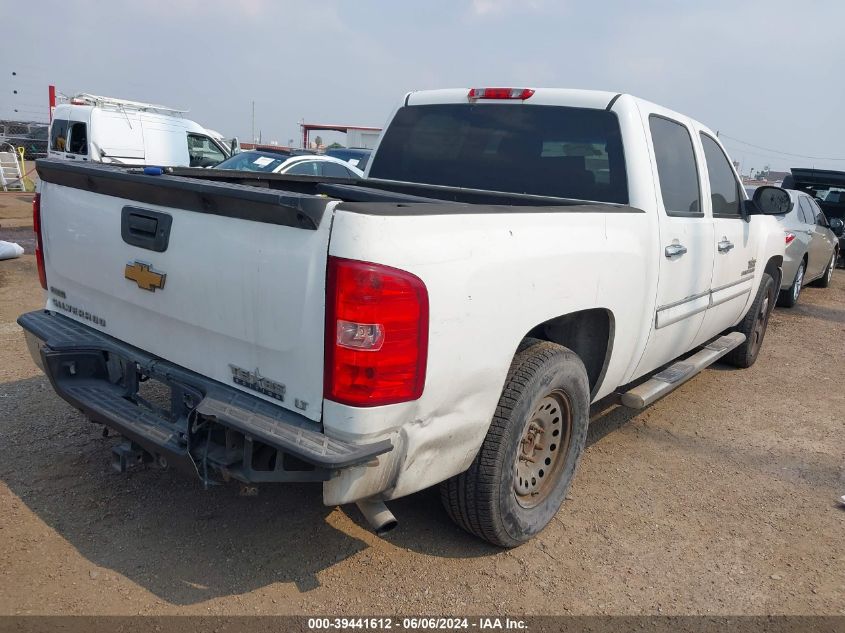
<point x="207" y="428"/>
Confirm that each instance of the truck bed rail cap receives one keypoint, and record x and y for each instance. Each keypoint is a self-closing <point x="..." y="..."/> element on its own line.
<point x="191" y="194"/>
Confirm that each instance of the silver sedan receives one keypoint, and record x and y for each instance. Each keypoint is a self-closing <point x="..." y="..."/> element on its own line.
<point x="811" y="248"/>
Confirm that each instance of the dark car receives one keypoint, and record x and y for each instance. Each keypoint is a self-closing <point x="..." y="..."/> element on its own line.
<point x="828" y="188"/>
<point x="357" y="157"/>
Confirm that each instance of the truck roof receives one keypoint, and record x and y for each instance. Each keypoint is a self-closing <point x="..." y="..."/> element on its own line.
<point x="598" y="99"/>
<point x="572" y="97"/>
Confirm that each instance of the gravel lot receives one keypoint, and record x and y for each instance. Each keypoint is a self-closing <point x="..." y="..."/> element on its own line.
<point x="719" y="499"/>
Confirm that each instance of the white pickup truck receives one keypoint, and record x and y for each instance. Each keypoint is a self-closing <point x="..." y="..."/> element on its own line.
<point x="512" y="256"/>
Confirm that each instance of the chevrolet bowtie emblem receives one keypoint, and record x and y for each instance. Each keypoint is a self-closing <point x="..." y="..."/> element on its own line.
<point x="146" y="278"/>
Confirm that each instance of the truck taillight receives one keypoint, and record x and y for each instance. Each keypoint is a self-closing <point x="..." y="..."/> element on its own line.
<point x="39" y="243"/>
<point x="376" y="334"/>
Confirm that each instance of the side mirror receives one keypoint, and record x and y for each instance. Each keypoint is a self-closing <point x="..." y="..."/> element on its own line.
<point x="837" y="226"/>
<point x="235" y="146"/>
<point x="772" y="200"/>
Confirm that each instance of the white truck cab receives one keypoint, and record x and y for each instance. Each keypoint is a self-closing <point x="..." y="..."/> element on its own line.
<point x="108" y="130"/>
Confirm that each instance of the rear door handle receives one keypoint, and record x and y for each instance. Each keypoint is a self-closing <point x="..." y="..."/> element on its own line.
<point x="675" y="250"/>
<point x="725" y="246"/>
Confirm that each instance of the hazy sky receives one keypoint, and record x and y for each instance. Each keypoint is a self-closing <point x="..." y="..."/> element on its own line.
<point x="769" y="73"/>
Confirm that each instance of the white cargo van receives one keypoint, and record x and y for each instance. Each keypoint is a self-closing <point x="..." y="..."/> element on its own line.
<point x="107" y="130"/>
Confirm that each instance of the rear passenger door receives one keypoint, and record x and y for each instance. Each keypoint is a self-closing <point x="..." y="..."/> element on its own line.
<point x="821" y="245"/>
<point x="686" y="243"/>
<point x="734" y="261"/>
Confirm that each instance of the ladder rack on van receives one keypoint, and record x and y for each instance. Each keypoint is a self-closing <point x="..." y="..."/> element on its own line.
<point x="124" y="104"/>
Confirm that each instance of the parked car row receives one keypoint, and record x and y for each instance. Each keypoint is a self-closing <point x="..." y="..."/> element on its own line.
<point x="282" y="162"/>
<point x="812" y="246"/>
<point x="827" y="187"/>
<point x="103" y="129"/>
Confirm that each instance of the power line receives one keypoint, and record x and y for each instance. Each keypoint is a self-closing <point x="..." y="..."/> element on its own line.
<point x="737" y="150"/>
<point x="774" y="151"/>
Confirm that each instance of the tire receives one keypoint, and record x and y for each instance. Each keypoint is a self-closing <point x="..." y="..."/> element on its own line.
<point x="789" y="296"/>
<point x="753" y="325"/>
<point x="518" y="480"/>
<point x="824" y="280"/>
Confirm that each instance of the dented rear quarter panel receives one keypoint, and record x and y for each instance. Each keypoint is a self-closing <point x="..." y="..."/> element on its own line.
<point x="490" y="278"/>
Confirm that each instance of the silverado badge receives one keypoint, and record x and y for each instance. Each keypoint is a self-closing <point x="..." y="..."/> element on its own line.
<point x="144" y="276"/>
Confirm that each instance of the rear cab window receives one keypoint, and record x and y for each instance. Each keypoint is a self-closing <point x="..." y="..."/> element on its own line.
<point x="554" y="151"/>
<point x="677" y="169"/>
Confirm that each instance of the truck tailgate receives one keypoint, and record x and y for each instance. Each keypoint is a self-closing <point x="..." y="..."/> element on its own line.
<point x="233" y="288"/>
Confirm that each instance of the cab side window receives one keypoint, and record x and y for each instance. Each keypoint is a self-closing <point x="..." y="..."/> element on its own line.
<point x="202" y="151"/>
<point x="724" y="187"/>
<point x="78" y="140"/>
<point x="58" y="135"/>
<point x="676" y="167"/>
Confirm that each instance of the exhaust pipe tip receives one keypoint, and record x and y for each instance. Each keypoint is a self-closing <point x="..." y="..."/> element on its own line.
<point x="377" y="515"/>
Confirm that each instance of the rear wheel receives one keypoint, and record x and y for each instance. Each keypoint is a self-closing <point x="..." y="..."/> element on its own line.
<point x="824" y="280"/>
<point x="788" y="297"/>
<point x="519" y="479"/>
<point x="754" y="325"/>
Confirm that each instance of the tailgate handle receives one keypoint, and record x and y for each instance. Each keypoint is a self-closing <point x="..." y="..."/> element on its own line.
<point x="145" y="228"/>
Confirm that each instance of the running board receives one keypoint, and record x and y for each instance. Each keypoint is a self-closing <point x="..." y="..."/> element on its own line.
<point x="678" y="373"/>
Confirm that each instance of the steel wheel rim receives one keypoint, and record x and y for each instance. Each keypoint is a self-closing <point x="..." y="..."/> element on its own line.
<point x="760" y="323"/>
<point x="799" y="279"/>
<point x="542" y="449"/>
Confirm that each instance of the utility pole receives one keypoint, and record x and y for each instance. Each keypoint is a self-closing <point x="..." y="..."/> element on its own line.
<point x="252" y="138"/>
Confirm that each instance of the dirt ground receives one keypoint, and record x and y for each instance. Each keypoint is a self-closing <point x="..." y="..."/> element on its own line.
<point x="719" y="499"/>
